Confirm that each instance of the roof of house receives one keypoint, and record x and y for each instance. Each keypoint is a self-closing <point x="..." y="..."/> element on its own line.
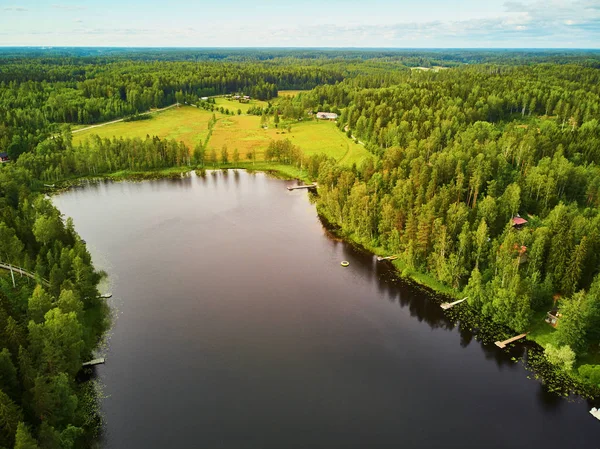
<point x="519" y="221"/>
<point x="327" y="114"/>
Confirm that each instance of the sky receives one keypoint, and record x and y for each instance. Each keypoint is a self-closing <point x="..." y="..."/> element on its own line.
<point x="303" y="23"/>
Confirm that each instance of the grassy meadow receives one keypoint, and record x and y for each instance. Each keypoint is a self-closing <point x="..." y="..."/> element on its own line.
<point x="234" y="105"/>
<point x="289" y="93"/>
<point x="186" y="123"/>
<point x="190" y="125"/>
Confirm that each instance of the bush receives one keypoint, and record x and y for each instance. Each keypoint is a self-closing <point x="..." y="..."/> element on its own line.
<point x="591" y="373"/>
<point x="563" y="356"/>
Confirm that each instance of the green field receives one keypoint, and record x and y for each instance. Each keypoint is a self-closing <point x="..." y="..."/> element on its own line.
<point x="289" y="93"/>
<point x="190" y="125"/>
<point x="186" y="123"/>
<point x="234" y="105"/>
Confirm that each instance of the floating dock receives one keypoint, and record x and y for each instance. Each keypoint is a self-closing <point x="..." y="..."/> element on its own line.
<point x="502" y="344"/>
<point x="448" y="305"/>
<point x="105" y="295"/>
<point x="307" y="186"/>
<point x="379" y="259"/>
<point x="94" y="362"/>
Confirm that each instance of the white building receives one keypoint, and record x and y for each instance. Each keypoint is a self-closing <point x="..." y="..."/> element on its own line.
<point x="327" y="116"/>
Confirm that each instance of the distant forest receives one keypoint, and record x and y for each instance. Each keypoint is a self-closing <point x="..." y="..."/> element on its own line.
<point x="484" y="177"/>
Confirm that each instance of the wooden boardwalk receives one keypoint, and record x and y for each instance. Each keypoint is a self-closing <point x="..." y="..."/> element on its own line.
<point x="502" y="344"/>
<point x="379" y="259"/>
<point x="94" y="362"/>
<point x="23" y="272"/>
<point x="307" y="186"/>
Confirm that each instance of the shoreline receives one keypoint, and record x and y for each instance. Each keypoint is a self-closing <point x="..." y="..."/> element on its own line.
<point x="484" y="330"/>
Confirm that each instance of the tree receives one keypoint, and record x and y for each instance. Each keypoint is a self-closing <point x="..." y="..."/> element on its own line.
<point x="8" y="375"/>
<point x="199" y="152"/>
<point x="23" y="438"/>
<point x="236" y="156"/>
<point x="10" y="416"/>
<point x="239" y="112"/>
<point x="572" y="274"/>
<point x="54" y="400"/>
<point x="213" y="157"/>
<point x="562" y="356"/>
<point x="571" y="328"/>
<point x="39" y="304"/>
<point x="46" y="229"/>
<point x="276" y="118"/>
<point x="57" y="342"/>
<point x="224" y="155"/>
<point x="11" y="248"/>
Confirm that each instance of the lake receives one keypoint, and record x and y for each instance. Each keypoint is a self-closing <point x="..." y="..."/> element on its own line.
<point x="236" y="327"/>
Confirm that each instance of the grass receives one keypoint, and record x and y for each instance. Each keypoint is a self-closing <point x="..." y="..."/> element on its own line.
<point x="244" y="133"/>
<point x="190" y="125"/>
<point x="289" y="93"/>
<point x="186" y="123"/>
<point x="234" y="105"/>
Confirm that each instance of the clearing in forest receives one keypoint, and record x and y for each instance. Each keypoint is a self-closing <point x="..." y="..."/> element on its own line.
<point x="190" y="125"/>
<point x="290" y="93"/>
<point x="234" y="105"/>
<point x="186" y="123"/>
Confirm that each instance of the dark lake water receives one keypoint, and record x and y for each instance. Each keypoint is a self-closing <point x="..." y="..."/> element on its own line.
<point x="236" y="327"/>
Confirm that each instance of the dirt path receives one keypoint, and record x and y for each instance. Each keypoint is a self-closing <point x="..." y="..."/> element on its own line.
<point x="121" y="119"/>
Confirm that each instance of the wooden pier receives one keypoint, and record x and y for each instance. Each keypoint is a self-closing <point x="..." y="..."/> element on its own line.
<point x="105" y="295"/>
<point x="379" y="259"/>
<point x="448" y="305"/>
<point x="94" y="362"/>
<point x="502" y="344"/>
<point x="307" y="186"/>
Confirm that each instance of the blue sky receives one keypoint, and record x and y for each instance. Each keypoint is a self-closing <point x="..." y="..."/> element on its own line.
<point x="304" y="23"/>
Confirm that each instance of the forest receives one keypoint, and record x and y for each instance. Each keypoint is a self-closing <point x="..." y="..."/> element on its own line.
<point x="458" y="154"/>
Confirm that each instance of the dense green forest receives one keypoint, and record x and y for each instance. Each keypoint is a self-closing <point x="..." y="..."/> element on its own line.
<point x="457" y="155"/>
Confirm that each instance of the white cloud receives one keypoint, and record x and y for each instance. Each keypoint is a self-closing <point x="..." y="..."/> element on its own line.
<point x="15" y="8"/>
<point x="68" y="7"/>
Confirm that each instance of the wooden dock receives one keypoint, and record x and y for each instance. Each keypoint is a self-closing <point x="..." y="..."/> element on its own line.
<point x="105" y="295"/>
<point x="379" y="259"/>
<point x="94" y="362"/>
<point x="502" y="344"/>
<point x="307" y="186"/>
<point x="448" y="305"/>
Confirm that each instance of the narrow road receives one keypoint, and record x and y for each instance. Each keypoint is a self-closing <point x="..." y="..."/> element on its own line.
<point x="121" y="119"/>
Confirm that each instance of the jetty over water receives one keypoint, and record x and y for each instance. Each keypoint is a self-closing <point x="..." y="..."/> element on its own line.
<point x="448" y="305"/>
<point x="99" y="361"/>
<point x="307" y="186"/>
<point x="379" y="259"/>
<point x="502" y="344"/>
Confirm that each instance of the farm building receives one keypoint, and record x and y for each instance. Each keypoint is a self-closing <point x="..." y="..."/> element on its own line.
<point x="327" y="116"/>
<point x="4" y="157"/>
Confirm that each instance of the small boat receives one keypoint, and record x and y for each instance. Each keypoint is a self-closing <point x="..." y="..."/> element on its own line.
<point x="345" y="263"/>
<point x="595" y="412"/>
